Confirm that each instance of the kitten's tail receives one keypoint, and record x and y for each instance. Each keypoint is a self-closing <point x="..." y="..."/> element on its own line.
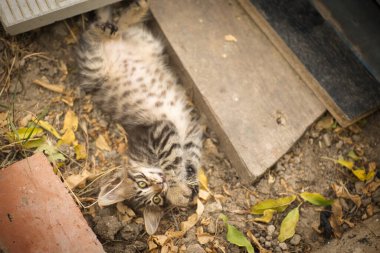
<point x="136" y="13"/>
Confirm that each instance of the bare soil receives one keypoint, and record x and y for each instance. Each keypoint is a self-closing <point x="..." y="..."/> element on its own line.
<point x="301" y="169"/>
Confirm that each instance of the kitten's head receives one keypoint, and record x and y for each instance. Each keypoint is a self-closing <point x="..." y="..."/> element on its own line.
<point x="143" y="188"/>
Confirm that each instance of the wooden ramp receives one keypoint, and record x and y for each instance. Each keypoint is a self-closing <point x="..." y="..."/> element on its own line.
<point x="254" y="100"/>
<point x="320" y="55"/>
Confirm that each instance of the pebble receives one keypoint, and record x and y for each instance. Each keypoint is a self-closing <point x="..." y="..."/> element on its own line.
<point x="214" y="207"/>
<point x="311" y="141"/>
<point x="277" y="249"/>
<point x="295" y="240"/>
<point x="326" y="139"/>
<point x="262" y="239"/>
<point x="376" y="196"/>
<point x="339" y="144"/>
<point x="356" y="138"/>
<point x="366" y="201"/>
<point x="268" y="244"/>
<point x="279" y="167"/>
<point x="359" y="187"/>
<point x="195" y="248"/>
<point x="268" y="238"/>
<point x="271" y="229"/>
<point x="296" y="159"/>
<point x="283" y="246"/>
<point x="140" y="246"/>
<point x="211" y="228"/>
<point x="130" y="231"/>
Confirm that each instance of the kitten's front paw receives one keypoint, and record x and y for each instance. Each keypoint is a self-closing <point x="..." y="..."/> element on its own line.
<point x="179" y="195"/>
<point x="108" y="25"/>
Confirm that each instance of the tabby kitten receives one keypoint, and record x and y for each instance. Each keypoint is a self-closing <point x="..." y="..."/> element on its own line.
<point x="126" y="71"/>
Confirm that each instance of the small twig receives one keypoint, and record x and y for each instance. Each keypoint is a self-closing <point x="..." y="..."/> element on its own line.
<point x="52" y="87"/>
<point x="71" y="32"/>
<point x="40" y="54"/>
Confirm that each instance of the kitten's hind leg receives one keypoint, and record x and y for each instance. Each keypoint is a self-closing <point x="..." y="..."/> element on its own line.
<point x="134" y="14"/>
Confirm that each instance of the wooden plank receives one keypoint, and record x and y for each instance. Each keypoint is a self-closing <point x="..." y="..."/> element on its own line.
<point x="252" y="97"/>
<point x="41" y="13"/>
<point x="358" y="24"/>
<point x="303" y="37"/>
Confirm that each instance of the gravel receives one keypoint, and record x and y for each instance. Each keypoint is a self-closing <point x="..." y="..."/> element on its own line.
<point x="195" y="248"/>
<point x="271" y="229"/>
<point x="295" y="240"/>
<point x="283" y="246"/>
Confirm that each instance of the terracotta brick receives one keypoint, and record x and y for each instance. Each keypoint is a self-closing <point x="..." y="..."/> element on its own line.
<point x="37" y="214"/>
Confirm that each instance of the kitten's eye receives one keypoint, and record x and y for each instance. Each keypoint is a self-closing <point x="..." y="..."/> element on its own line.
<point x="156" y="200"/>
<point x="142" y="184"/>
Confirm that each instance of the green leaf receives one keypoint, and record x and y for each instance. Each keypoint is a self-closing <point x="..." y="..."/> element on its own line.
<point x="34" y="143"/>
<point x="235" y="236"/>
<point x="316" y="199"/>
<point x="353" y="155"/>
<point x="288" y="225"/>
<point x="277" y="204"/>
<point x="51" y="152"/>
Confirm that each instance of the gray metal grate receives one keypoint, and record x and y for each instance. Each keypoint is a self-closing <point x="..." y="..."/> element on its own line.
<point x="23" y="15"/>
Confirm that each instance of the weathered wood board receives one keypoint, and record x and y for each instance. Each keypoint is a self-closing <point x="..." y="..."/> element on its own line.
<point x="319" y="55"/>
<point x="252" y="97"/>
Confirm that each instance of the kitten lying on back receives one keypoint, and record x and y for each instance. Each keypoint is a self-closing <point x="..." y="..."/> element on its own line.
<point x="125" y="69"/>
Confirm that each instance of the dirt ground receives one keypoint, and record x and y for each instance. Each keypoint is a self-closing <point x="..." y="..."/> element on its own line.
<point x="43" y="55"/>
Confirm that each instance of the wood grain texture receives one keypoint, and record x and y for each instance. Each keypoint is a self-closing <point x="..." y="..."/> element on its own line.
<point x="336" y="75"/>
<point x="254" y="100"/>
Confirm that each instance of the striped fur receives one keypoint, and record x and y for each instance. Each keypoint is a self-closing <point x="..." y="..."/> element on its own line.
<point x="129" y="79"/>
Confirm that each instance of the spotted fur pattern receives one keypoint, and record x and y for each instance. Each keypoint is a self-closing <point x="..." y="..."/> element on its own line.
<point x="127" y="74"/>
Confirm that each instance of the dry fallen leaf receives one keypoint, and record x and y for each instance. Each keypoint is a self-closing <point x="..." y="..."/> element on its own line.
<point x="52" y="87"/>
<point x="204" y="195"/>
<point x="230" y="38"/>
<point x="102" y="144"/>
<point x="342" y="192"/>
<point x="203" y="237"/>
<point x="257" y="243"/>
<point x="78" y="180"/>
<point x="324" y="123"/>
<point x="336" y="218"/>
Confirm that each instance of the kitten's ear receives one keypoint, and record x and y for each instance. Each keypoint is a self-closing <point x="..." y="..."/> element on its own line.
<point x="152" y="217"/>
<point x="116" y="190"/>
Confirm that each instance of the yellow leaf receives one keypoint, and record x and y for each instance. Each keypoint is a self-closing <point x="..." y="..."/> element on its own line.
<point x="102" y="144"/>
<point x="80" y="152"/>
<point x="25" y="133"/>
<point x="267" y="216"/>
<point x="288" y="225"/>
<point x="316" y="199"/>
<point x="277" y="204"/>
<point x="46" y="125"/>
<point x="70" y="121"/>
<point x="347" y="164"/>
<point x="67" y="138"/>
<point x="203" y="179"/>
